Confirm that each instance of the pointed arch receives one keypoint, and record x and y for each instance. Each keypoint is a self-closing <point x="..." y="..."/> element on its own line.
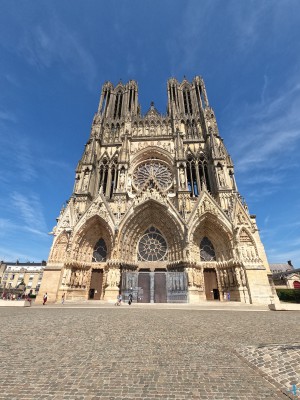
<point x="86" y="239"/>
<point x="219" y="235"/>
<point x="247" y="244"/>
<point x="59" y="249"/>
<point x="100" y="251"/>
<point x="207" y="250"/>
<point x="150" y="213"/>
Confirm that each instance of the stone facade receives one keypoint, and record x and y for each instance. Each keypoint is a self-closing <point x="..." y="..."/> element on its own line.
<point x="13" y="274"/>
<point x="155" y="208"/>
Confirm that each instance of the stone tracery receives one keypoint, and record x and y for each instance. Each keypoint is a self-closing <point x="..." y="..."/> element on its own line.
<point x="157" y="192"/>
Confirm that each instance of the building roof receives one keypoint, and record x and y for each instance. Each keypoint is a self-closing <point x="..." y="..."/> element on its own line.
<point x="23" y="267"/>
<point x="28" y="263"/>
<point x="281" y="267"/>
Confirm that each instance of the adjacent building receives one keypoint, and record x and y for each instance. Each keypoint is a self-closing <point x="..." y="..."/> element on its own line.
<point x="15" y="273"/>
<point x="285" y="276"/>
<point x="155" y="209"/>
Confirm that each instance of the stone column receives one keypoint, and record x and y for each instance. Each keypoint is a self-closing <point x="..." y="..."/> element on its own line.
<point x="221" y="294"/>
<point x="152" y="287"/>
<point x="108" y="184"/>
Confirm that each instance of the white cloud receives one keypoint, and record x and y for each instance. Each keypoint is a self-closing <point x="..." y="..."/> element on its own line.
<point x="30" y="210"/>
<point x="270" y="132"/>
<point x="17" y="159"/>
<point x="7" y="116"/>
<point x="47" y="45"/>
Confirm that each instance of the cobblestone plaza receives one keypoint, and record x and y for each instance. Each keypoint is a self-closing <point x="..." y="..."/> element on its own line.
<point x="144" y="352"/>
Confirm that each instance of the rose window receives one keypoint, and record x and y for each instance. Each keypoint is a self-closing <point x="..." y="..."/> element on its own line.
<point x="207" y="251"/>
<point x="100" y="251"/>
<point x="152" y="246"/>
<point x="155" y="170"/>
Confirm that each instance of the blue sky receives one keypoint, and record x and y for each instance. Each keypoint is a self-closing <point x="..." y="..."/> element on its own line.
<point x="55" y="56"/>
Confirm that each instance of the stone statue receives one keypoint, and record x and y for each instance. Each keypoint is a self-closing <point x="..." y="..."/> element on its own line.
<point x="238" y="276"/>
<point x="76" y="278"/>
<point x="113" y="277"/>
<point x="84" y="278"/>
<point x="122" y="179"/>
<point x="221" y="178"/>
<point x="205" y="205"/>
<point x="72" y="279"/>
<point x="198" y="278"/>
<point x="182" y="178"/>
<point x="86" y="181"/>
<point x="191" y="276"/>
<point x="243" y="277"/>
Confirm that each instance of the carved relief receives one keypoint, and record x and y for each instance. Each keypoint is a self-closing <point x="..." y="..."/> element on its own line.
<point x="155" y="170"/>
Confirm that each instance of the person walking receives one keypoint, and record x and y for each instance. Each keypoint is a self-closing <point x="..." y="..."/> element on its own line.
<point x="63" y="298"/>
<point x="45" y="298"/>
<point x="119" y="299"/>
<point x="130" y="297"/>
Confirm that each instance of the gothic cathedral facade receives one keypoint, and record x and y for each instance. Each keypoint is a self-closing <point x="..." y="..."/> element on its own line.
<point x="155" y="209"/>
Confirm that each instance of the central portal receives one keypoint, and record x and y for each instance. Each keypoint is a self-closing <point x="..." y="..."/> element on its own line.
<point x="143" y="288"/>
<point x="155" y="286"/>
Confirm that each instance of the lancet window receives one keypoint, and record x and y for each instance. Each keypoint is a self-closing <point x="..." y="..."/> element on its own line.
<point x="108" y="176"/>
<point x="152" y="246"/>
<point x="118" y="105"/>
<point x="187" y="101"/>
<point x="103" y="174"/>
<point x="100" y="251"/>
<point x="197" y="175"/>
<point x="207" y="251"/>
<point x="105" y="102"/>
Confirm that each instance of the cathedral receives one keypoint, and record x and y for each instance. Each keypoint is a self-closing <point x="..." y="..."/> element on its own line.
<point x="155" y="210"/>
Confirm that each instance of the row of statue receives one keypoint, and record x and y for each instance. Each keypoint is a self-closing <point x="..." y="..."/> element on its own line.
<point x="76" y="278"/>
<point x="195" y="277"/>
<point x="229" y="277"/>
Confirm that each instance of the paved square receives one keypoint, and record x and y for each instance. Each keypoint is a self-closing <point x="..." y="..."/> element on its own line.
<point x="127" y="352"/>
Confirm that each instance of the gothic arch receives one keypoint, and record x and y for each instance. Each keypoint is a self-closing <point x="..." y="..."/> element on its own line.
<point x="218" y="234"/>
<point x="247" y="243"/>
<point x="150" y="213"/>
<point x="151" y="151"/>
<point x="59" y="248"/>
<point x="87" y="237"/>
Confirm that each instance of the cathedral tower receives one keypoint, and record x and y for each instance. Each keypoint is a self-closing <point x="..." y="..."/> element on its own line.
<point x="155" y="210"/>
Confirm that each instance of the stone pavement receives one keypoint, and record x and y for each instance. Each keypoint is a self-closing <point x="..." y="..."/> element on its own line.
<point x="116" y="353"/>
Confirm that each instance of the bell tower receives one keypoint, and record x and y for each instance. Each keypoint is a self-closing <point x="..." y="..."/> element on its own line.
<point x="155" y="210"/>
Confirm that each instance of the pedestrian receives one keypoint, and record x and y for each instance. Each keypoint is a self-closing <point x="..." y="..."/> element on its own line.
<point x="45" y="298"/>
<point x="119" y="299"/>
<point x="63" y="298"/>
<point x="228" y="296"/>
<point x="130" y="297"/>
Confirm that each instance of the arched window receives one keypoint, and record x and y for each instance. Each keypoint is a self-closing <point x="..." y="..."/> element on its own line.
<point x="100" y="251"/>
<point x="118" y="104"/>
<point x="187" y="101"/>
<point x="207" y="251"/>
<point x="192" y="177"/>
<point x="152" y="246"/>
<point x="103" y="174"/>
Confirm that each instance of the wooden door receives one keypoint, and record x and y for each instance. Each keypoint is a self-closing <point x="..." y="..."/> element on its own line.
<point x="160" y="290"/>
<point x="96" y="284"/>
<point x="144" y="287"/>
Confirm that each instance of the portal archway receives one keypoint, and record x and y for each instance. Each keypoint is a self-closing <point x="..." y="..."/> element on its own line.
<point x="150" y="214"/>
